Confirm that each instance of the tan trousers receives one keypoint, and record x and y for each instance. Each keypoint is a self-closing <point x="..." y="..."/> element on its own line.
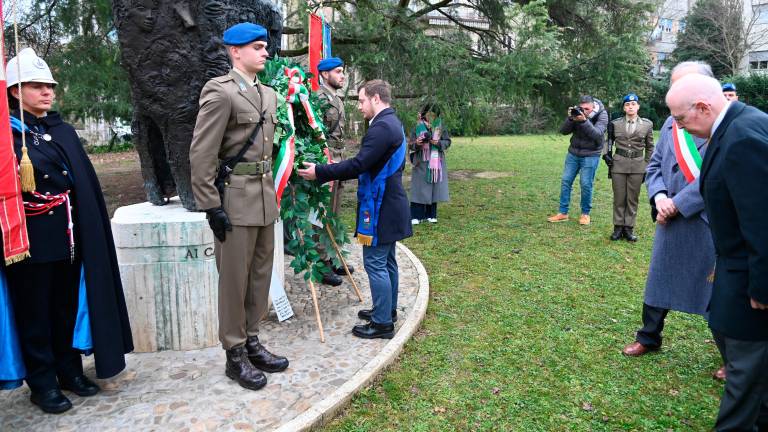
<point x="244" y="262"/>
<point x="338" y="187"/>
<point x="626" y="193"/>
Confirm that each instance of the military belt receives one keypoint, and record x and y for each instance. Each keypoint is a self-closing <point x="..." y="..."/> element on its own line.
<point x="253" y="168"/>
<point x="629" y="153"/>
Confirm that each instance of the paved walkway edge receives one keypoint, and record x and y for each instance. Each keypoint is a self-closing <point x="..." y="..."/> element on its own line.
<point x="323" y="411"/>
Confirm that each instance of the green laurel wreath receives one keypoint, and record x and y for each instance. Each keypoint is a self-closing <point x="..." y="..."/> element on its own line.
<point x="302" y="197"/>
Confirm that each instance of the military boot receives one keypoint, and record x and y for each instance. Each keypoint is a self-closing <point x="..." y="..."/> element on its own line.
<point x="240" y="369"/>
<point x="331" y="278"/>
<point x="263" y="359"/>
<point x="618" y="231"/>
<point x="629" y="234"/>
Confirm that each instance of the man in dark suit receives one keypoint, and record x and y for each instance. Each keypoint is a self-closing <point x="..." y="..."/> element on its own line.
<point x="733" y="175"/>
<point x="384" y="215"/>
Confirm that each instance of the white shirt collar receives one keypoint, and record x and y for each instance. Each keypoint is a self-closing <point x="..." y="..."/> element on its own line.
<point x="370" y="122"/>
<point x="719" y="118"/>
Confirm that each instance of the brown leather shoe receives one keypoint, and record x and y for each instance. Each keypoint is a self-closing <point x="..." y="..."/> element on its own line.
<point x="584" y="219"/>
<point x="560" y="217"/>
<point x="720" y="374"/>
<point x="636" y="349"/>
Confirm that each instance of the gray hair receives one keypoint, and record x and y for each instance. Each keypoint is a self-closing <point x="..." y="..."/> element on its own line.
<point x="702" y="68"/>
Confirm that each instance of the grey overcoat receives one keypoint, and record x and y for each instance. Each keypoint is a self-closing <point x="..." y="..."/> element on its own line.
<point x="683" y="255"/>
<point x="421" y="191"/>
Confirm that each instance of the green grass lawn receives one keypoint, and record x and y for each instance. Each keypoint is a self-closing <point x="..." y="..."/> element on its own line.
<point x="527" y="319"/>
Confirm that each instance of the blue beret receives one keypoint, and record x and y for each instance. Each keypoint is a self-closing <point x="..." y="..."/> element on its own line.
<point x="244" y="33"/>
<point x="631" y="98"/>
<point x="330" y="63"/>
<point x="729" y="87"/>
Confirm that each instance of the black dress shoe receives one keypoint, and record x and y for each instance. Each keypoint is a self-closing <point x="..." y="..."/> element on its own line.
<point x="80" y="385"/>
<point x="340" y="270"/>
<point x="374" y="331"/>
<point x="263" y="359"/>
<point x="51" y="401"/>
<point x="240" y="369"/>
<point x="618" y="232"/>
<point x="331" y="279"/>
<point x="629" y="234"/>
<point x="366" y="314"/>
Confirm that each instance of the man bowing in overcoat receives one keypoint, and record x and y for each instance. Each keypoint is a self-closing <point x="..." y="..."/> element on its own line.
<point x="683" y="255"/>
<point x="732" y="183"/>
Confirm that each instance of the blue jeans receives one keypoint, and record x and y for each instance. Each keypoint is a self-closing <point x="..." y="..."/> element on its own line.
<point x="381" y="266"/>
<point x="588" y="167"/>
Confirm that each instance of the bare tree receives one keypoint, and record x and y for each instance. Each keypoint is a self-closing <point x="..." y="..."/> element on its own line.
<point x="722" y="32"/>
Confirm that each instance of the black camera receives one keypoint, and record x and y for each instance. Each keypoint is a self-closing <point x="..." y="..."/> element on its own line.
<point x="575" y="111"/>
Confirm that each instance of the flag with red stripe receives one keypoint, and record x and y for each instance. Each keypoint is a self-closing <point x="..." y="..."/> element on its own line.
<point x="315" y="48"/>
<point x="12" y="220"/>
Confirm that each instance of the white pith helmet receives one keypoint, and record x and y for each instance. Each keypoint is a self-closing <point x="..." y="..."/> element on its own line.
<point x="31" y="67"/>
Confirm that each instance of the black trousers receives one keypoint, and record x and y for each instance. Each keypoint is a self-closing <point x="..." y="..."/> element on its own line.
<point x="423" y="211"/>
<point x="653" y="324"/>
<point x="744" y="406"/>
<point x="45" y="298"/>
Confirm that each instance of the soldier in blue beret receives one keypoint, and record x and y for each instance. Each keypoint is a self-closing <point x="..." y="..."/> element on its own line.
<point x="331" y="72"/>
<point x="729" y="91"/>
<point x="329" y="64"/>
<point x="244" y="33"/>
<point x="633" y="137"/>
<point x="237" y="113"/>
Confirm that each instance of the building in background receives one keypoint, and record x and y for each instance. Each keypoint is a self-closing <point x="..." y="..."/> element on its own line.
<point x="669" y="21"/>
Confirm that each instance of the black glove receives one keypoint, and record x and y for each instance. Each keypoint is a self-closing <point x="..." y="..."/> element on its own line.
<point x="608" y="159"/>
<point x="219" y="222"/>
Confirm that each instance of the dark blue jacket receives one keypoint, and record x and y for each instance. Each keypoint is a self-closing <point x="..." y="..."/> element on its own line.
<point x="587" y="138"/>
<point x="48" y="239"/>
<point x="110" y="328"/>
<point x="733" y="183"/>
<point x="384" y="136"/>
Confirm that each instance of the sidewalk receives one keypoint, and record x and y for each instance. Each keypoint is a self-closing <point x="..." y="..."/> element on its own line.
<point x="188" y="391"/>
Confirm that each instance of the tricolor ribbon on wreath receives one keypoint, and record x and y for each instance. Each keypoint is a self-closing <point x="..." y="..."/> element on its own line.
<point x="297" y="94"/>
<point x="686" y="153"/>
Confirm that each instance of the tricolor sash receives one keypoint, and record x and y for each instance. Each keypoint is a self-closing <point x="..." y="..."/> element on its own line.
<point x="686" y="153"/>
<point x="370" y="193"/>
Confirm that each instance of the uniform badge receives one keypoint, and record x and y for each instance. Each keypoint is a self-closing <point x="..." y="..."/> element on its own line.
<point x="46" y="137"/>
<point x="242" y="87"/>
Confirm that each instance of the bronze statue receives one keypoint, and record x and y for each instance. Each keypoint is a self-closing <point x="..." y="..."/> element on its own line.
<point x="170" y="49"/>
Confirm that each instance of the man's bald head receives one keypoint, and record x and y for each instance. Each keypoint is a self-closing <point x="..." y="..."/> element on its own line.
<point x="695" y="101"/>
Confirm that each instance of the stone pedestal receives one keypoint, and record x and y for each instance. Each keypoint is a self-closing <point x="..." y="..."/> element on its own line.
<point x="169" y="276"/>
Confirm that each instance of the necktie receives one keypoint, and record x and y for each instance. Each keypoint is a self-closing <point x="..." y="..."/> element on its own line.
<point x="631" y="127"/>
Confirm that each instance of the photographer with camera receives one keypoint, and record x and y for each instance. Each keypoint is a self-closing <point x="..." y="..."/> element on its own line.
<point x="587" y="123"/>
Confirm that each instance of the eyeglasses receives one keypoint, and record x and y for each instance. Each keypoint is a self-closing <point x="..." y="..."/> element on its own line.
<point x="680" y="118"/>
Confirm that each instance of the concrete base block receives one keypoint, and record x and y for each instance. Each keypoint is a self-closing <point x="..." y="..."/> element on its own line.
<point x="169" y="276"/>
